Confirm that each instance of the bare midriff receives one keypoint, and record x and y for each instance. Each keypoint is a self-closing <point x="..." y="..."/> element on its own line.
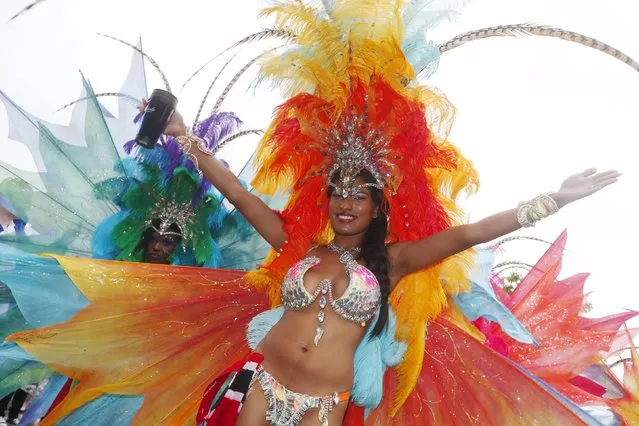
<point x="292" y="358"/>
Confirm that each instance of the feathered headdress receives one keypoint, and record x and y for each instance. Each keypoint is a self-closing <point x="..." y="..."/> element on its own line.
<point x="160" y="187"/>
<point x="166" y="189"/>
<point x="356" y="106"/>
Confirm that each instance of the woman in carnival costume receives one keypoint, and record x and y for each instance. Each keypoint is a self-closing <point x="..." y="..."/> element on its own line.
<point x="165" y="213"/>
<point x="373" y="186"/>
<point x="169" y="216"/>
<point x="93" y="197"/>
<point x="371" y="220"/>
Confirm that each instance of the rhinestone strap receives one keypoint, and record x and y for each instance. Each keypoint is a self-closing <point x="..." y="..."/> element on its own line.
<point x="346" y="258"/>
<point x="325" y="289"/>
<point x="353" y="252"/>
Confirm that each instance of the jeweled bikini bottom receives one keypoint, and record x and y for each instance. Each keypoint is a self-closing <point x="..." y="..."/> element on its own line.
<point x="287" y="408"/>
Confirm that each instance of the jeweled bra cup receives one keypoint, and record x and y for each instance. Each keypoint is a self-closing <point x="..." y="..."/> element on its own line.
<point x="359" y="303"/>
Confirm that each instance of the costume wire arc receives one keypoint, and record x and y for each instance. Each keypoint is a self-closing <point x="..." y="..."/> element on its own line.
<point x="178" y="330"/>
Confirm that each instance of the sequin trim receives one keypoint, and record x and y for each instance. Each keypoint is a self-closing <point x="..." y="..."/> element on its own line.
<point x="288" y="408"/>
<point x="359" y="303"/>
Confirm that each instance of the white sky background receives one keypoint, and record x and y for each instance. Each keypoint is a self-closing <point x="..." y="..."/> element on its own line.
<point x="531" y="111"/>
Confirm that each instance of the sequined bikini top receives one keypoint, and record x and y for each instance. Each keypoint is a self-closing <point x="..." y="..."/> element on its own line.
<point x="359" y="303"/>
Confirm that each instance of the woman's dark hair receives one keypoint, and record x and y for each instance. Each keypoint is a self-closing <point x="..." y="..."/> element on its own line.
<point x="374" y="251"/>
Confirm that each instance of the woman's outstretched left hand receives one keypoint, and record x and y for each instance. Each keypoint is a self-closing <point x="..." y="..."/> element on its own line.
<point x="584" y="184"/>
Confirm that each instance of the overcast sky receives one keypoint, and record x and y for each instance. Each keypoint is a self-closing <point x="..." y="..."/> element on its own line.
<point x="531" y="111"/>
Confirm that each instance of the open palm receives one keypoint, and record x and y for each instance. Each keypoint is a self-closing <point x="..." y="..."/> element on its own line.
<point x="586" y="183"/>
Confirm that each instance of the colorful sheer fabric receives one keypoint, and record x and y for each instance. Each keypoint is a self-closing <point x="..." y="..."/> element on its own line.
<point x="626" y="405"/>
<point x="136" y="311"/>
<point x="568" y="343"/>
<point x="62" y="200"/>
<point x="169" y="341"/>
<point x="159" y="331"/>
<point x="464" y="383"/>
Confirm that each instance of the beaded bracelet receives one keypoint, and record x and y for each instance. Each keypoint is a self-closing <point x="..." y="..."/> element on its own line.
<point x="531" y="212"/>
<point x="186" y="142"/>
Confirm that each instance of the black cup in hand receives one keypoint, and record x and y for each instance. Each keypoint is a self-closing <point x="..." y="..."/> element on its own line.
<point x="156" y="117"/>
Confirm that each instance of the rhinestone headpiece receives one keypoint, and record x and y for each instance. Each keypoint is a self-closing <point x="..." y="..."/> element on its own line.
<point x="354" y="145"/>
<point x="170" y="212"/>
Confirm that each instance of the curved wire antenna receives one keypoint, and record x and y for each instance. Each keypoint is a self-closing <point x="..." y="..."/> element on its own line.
<point x="505" y="269"/>
<point x="255" y="37"/>
<point x="620" y="361"/>
<point x="510" y="264"/>
<point x="527" y="29"/>
<point x="147" y="57"/>
<point x="100" y="95"/>
<point x="235" y="78"/>
<point x="208" y="91"/>
<point x="25" y="9"/>
<point x="518" y="238"/>
<point x="505" y="240"/>
<point x="514" y="263"/>
<point x="237" y="136"/>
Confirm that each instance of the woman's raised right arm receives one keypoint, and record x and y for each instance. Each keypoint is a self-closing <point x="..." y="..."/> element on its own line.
<point x="265" y="221"/>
